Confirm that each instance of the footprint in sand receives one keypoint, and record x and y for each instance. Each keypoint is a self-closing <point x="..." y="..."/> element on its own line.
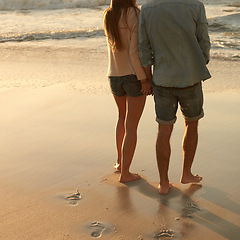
<point x="98" y="229"/>
<point x="190" y="209"/>
<point x="74" y="197"/>
<point x="165" y="233"/>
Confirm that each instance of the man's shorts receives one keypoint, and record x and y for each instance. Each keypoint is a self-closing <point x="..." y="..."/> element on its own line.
<point x="166" y="100"/>
<point x="125" y="85"/>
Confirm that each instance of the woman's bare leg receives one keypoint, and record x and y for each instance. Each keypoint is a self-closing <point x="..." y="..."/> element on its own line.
<point x="120" y="128"/>
<point x="135" y="106"/>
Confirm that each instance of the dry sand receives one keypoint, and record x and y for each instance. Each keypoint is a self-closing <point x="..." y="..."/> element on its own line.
<point x="57" y="135"/>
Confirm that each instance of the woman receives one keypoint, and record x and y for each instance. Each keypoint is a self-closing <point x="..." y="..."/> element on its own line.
<point x="128" y="80"/>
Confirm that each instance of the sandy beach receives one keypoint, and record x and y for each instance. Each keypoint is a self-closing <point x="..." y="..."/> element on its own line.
<point x="57" y="150"/>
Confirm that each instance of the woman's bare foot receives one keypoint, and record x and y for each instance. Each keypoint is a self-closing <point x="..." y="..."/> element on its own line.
<point x="191" y="179"/>
<point x="163" y="189"/>
<point x="117" y="167"/>
<point x="128" y="177"/>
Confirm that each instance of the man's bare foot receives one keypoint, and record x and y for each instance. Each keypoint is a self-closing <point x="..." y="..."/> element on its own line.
<point x="117" y="167"/>
<point x="191" y="179"/>
<point x="163" y="189"/>
<point x="129" y="177"/>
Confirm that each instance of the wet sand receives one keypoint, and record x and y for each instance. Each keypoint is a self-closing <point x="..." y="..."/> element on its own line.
<point x="57" y="139"/>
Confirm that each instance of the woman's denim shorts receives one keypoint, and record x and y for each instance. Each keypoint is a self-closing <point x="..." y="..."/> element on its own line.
<point x="167" y="99"/>
<point x="125" y="85"/>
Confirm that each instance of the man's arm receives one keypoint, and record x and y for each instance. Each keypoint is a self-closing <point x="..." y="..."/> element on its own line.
<point x="145" y="51"/>
<point x="148" y="72"/>
<point x="133" y="22"/>
<point x="202" y="34"/>
<point x="147" y="85"/>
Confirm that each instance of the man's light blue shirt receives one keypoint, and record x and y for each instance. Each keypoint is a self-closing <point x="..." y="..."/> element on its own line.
<point x="173" y="37"/>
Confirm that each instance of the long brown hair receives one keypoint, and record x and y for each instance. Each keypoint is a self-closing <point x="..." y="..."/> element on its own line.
<point x="111" y="18"/>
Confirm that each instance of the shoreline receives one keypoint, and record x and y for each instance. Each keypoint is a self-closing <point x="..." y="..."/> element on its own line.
<point x="84" y="69"/>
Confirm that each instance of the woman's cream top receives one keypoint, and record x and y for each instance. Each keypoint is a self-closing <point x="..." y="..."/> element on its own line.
<point x="126" y="61"/>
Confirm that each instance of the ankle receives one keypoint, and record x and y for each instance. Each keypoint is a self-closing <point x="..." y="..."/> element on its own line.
<point x="164" y="182"/>
<point x="187" y="173"/>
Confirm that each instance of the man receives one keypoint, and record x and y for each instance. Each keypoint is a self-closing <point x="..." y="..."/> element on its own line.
<point x="173" y="37"/>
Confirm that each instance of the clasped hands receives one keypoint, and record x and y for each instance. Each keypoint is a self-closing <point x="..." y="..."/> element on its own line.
<point x="146" y="86"/>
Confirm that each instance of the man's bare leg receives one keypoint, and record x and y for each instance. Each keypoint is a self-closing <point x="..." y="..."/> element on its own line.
<point x="135" y="107"/>
<point x="163" y="151"/>
<point x="120" y="129"/>
<point x="190" y="142"/>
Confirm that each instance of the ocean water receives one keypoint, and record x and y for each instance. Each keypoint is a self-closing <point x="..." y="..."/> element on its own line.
<point x="75" y="23"/>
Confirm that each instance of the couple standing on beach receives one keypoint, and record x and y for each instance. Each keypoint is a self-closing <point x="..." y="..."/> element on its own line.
<point x="171" y="35"/>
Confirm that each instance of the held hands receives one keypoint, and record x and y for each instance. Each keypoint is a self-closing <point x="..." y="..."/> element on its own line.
<point x="146" y="87"/>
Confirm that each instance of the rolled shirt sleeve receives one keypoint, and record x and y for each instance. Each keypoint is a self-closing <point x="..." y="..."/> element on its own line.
<point x="145" y="51"/>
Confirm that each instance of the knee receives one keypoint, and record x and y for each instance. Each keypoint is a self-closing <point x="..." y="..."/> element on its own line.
<point x="131" y="128"/>
<point x="191" y="127"/>
<point x="121" y="117"/>
<point x="193" y="124"/>
<point x="165" y="130"/>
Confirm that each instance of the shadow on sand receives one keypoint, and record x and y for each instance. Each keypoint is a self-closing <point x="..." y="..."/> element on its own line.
<point x="183" y="204"/>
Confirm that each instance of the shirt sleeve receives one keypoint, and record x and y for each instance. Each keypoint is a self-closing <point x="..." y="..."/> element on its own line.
<point x="133" y="50"/>
<point x="202" y="33"/>
<point x="145" y="51"/>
